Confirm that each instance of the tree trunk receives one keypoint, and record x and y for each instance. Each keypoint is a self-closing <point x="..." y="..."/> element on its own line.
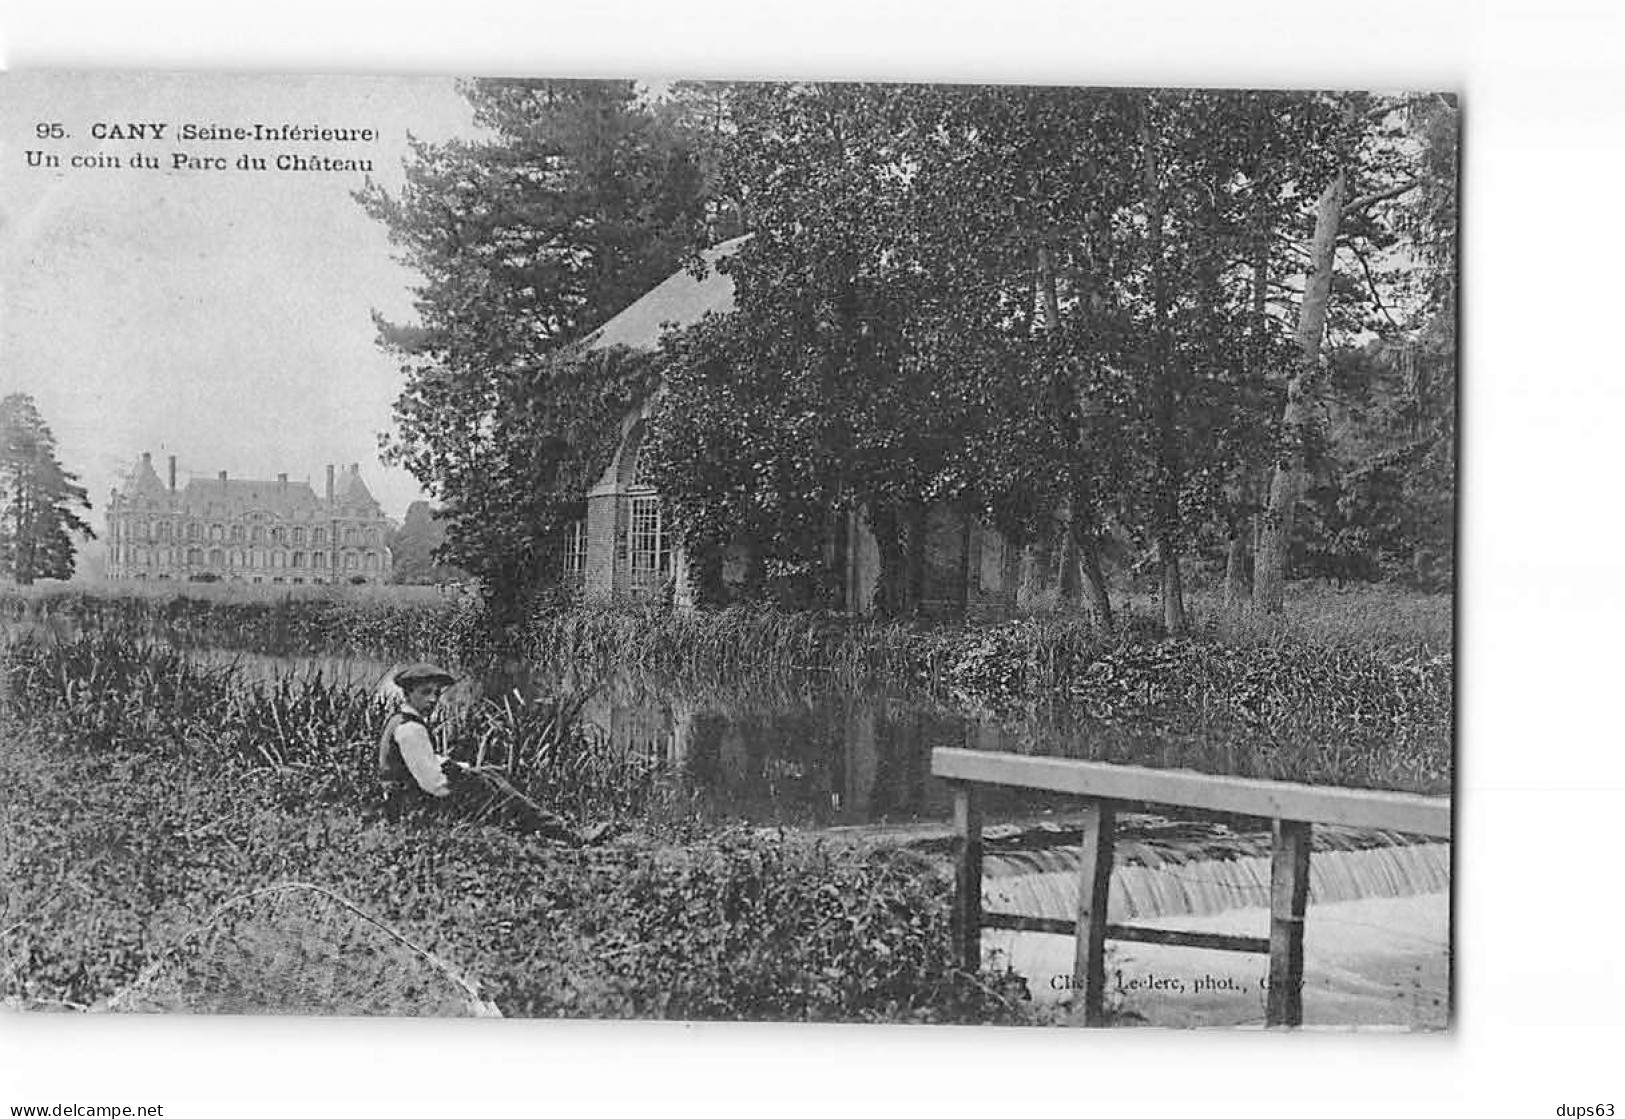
<point x="967" y="540"/>
<point x="1046" y="291"/>
<point x="1081" y="569"/>
<point x="1083" y="577"/>
<point x="1269" y="579"/>
<point x="1243" y="536"/>
<point x="915" y="519"/>
<point x="1168" y="467"/>
<point x="1094" y="582"/>
<point x="1236" y="589"/>
<point x="837" y="569"/>
<point x="1068" y="571"/>
<point x="1173" y="589"/>
<point x="889" y="583"/>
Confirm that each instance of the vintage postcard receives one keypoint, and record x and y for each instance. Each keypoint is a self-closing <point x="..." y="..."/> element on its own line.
<point x="703" y="550"/>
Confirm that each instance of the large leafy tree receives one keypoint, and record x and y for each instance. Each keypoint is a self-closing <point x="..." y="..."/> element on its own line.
<point x="1382" y="155"/>
<point x="38" y="498"/>
<point x="1382" y="503"/>
<point x="1021" y="301"/>
<point x="1072" y="312"/>
<point x="580" y="197"/>
<point x="804" y="402"/>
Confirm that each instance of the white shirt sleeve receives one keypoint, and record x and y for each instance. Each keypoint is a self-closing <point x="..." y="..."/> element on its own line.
<point x="417" y="751"/>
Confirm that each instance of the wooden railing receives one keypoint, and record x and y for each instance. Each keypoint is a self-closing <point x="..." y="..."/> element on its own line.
<point x="1291" y="808"/>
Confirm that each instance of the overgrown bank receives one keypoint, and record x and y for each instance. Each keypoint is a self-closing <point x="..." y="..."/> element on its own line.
<point x="258" y="782"/>
<point x="403" y="622"/>
<point x="1363" y="653"/>
<point x="1352" y="689"/>
<point x="111" y="860"/>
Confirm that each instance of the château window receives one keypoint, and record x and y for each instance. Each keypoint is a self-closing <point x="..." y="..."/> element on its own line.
<point x="650" y="550"/>
<point x="318" y="536"/>
<point x="299" y="559"/>
<point x="298" y="536"/>
<point x="575" y="548"/>
<point x="236" y="534"/>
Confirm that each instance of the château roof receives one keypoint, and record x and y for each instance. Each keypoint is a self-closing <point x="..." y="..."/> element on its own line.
<point x="349" y="489"/>
<point x="227" y="497"/>
<point x="243" y="494"/>
<point x="679" y="300"/>
<point x="144" y="479"/>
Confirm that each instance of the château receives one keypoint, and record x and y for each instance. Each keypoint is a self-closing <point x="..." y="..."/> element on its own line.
<point x="246" y="530"/>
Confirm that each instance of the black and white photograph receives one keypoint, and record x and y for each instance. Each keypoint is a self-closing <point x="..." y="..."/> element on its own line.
<point x="937" y="555"/>
<point x="797" y="551"/>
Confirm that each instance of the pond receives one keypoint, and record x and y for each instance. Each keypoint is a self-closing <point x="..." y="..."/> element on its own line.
<point x="810" y="751"/>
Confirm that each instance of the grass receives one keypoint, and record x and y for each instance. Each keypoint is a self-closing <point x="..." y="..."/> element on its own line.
<point x="147" y="788"/>
<point x="103" y="695"/>
<point x="1366" y="617"/>
<point x="399" y="622"/>
<point x="112" y="863"/>
<point x="1346" y="687"/>
<point x="53" y="592"/>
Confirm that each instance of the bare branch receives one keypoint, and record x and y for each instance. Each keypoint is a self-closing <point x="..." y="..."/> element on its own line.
<point x="1372" y="199"/>
<point x="1371" y="285"/>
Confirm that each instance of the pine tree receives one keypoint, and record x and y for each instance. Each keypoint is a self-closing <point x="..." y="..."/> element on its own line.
<point x="37" y="497"/>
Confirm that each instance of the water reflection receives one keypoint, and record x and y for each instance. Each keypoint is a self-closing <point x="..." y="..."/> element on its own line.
<point x="805" y="751"/>
<point x="797" y="752"/>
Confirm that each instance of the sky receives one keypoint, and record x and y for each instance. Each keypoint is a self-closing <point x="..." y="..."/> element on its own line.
<point x="223" y="317"/>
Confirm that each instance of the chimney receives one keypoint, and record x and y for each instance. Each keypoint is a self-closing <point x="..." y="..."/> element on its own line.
<point x="146" y="458"/>
<point x="355" y="468"/>
<point x="171" y="473"/>
<point x="281" y="482"/>
<point x="330" y="483"/>
<point x="222" y="479"/>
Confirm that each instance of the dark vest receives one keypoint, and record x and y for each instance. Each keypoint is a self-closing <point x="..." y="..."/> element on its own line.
<point x="391" y="766"/>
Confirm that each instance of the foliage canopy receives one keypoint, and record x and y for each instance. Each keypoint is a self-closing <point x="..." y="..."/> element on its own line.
<point x="38" y="498"/>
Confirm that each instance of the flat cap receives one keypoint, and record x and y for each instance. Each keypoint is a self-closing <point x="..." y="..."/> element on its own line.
<point x="422" y="674"/>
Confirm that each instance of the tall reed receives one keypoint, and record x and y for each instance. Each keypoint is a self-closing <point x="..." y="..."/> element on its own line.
<point x="102" y="695"/>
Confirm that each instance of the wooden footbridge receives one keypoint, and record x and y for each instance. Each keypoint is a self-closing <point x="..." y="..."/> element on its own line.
<point x="1293" y="809"/>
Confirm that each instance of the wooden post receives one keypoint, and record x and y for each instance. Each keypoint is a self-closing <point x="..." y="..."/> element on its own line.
<point x="1289" y="894"/>
<point x="1094" y="893"/>
<point x="967" y="913"/>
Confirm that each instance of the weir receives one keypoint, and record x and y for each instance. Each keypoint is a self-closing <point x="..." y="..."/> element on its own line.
<point x="1295" y="811"/>
<point x="1151" y="883"/>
